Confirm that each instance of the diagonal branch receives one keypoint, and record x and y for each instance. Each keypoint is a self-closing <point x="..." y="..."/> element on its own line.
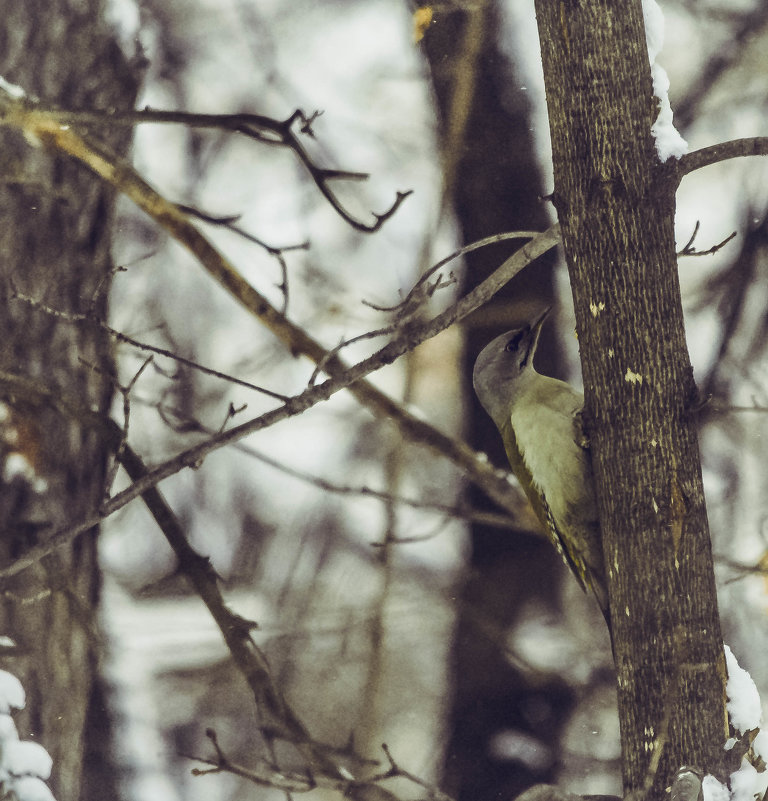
<point x="278" y="719"/>
<point x="475" y="465"/>
<point x="20" y="112"/>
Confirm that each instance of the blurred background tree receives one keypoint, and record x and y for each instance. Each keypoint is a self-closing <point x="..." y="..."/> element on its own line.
<point x="56" y="240"/>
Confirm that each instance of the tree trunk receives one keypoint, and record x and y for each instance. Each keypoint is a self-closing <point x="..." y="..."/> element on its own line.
<point x="54" y="238"/>
<point x="492" y="181"/>
<point x="617" y="215"/>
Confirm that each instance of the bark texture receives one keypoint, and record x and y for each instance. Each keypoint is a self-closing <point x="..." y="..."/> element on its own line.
<point x="54" y="237"/>
<point x="616" y="207"/>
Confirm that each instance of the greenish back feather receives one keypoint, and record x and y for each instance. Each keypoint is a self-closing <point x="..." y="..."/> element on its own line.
<point x="539" y="504"/>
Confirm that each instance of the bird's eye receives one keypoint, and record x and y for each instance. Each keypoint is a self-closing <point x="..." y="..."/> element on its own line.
<point x="514" y="342"/>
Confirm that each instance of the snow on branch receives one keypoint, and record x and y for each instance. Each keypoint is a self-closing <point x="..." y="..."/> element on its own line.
<point x="24" y="765"/>
<point x="745" y="713"/>
<point x="668" y="140"/>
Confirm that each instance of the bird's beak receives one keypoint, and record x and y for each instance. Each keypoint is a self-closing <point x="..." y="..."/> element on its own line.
<point x="532" y="338"/>
<point x="539" y="321"/>
<point x="536" y="326"/>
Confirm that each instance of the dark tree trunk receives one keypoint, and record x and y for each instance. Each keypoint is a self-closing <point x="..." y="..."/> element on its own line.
<point x="493" y="183"/>
<point x="617" y="209"/>
<point x="55" y="238"/>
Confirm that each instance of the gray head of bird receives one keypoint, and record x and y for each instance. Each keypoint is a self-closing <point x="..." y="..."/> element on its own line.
<point x="503" y="366"/>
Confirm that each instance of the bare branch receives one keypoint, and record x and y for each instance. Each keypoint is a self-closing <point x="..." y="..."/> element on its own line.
<point x="125" y="392"/>
<point x="276" y="252"/>
<point x="265" y="775"/>
<point x="266" y="130"/>
<point x="396" y="770"/>
<point x="476" y="465"/>
<point x="103" y="162"/>
<point x="689" y="250"/>
<point x="278" y="717"/>
<point x="733" y="149"/>
<point x="122" y="176"/>
<point x="457" y="512"/>
<point x="419" y="293"/>
<point x="145" y="346"/>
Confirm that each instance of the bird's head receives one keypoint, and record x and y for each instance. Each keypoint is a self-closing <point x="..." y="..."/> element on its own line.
<point x="503" y="364"/>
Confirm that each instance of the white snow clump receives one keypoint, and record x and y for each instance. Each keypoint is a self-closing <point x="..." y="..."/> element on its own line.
<point x="23" y="764"/>
<point x="745" y="713"/>
<point x="668" y="140"/>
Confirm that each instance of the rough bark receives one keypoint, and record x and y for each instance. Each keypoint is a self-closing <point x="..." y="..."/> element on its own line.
<point x="617" y="210"/>
<point x="54" y="238"/>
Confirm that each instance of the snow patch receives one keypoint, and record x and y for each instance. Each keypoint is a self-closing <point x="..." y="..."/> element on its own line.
<point x="745" y="713"/>
<point x="743" y="704"/>
<point x="12" y="89"/>
<point x="713" y="790"/>
<point x="11" y="693"/>
<point x="25" y="758"/>
<point x="30" y="788"/>
<point x="23" y="764"/>
<point x="125" y="18"/>
<point x="668" y="140"/>
<point x="18" y="466"/>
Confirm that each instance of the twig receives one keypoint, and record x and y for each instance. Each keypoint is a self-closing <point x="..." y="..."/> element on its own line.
<point x="279" y="719"/>
<point x="458" y="512"/>
<point x="689" y="250"/>
<point x="145" y="346"/>
<point x="275" y="252"/>
<point x="118" y="173"/>
<point x="20" y="114"/>
<point x="255" y="126"/>
<point x="476" y="466"/>
<point x="406" y="306"/>
<point x="410" y="305"/>
<point x="733" y="149"/>
<point x="125" y="391"/>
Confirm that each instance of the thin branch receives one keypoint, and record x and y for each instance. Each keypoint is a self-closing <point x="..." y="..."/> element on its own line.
<point x="461" y="511"/>
<point x="689" y="250"/>
<point x="279" y="719"/>
<point x="266" y="775"/>
<point x="72" y="317"/>
<point x="266" y="130"/>
<point x="733" y="149"/>
<point x="125" y="391"/>
<point x="476" y="465"/>
<point x="690" y="242"/>
<point x="396" y="770"/>
<point x="124" y="178"/>
<point x="276" y="252"/>
<point x="263" y="774"/>
<point x="457" y="512"/>
<point x="418" y="293"/>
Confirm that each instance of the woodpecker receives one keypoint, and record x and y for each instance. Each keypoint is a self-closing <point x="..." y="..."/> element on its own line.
<point x="539" y="419"/>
